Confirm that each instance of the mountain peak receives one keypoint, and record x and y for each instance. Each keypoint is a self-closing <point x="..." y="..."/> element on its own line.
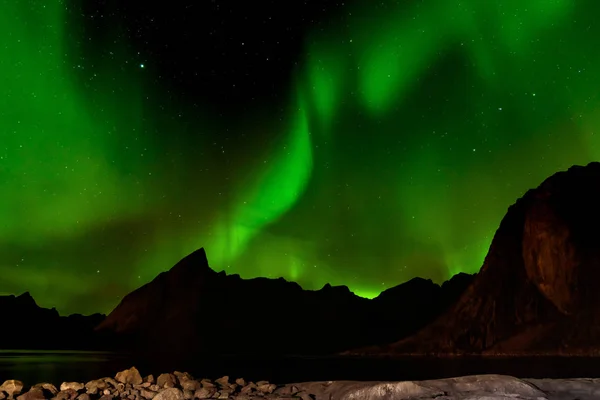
<point x="26" y="298"/>
<point x="196" y="259"/>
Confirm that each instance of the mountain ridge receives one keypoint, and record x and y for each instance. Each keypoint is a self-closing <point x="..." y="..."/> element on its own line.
<point x="314" y="321"/>
<point x="26" y="319"/>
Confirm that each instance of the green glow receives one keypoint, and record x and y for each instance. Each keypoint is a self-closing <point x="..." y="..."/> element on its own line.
<point x="53" y="150"/>
<point x="409" y="131"/>
<point x="58" y="174"/>
<point x="326" y="73"/>
<point x="279" y="181"/>
<point x="367" y="294"/>
<point x="392" y="56"/>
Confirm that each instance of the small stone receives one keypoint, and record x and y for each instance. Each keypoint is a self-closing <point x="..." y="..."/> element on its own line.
<point x="205" y="393"/>
<point x="45" y="386"/>
<point x="106" y="392"/>
<point x="170" y="394"/>
<point x="223" y="381"/>
<point x="11" y="387"/>
<point x="248" y="388"/>
<point x="2" y="395"/>
<point x="240" y="382"/>
<point x="266" y="387"/>
<point x="154" y="388"/>
<point x="183" y="376"/>
<point x="131" y="375"/>
<point x="111" y="382"/>
<point x="190" y="384"/>
<point x="207" y="384"/>
<point x="67" y="394"/>
<point x="166" y="381"/>
<point x="149" y="379"/>
<point x="33" y="394"/>
<point x="147" y="394"/>
<point x="224" y="394"/>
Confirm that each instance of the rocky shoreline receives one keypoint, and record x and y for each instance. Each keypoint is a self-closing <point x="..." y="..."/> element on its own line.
<point x="129" y="384"/>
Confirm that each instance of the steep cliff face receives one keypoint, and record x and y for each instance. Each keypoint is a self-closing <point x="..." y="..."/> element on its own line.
<point x="164" y="298"/>
<point x="158" y="314"/>
<point x="539" y="288"/>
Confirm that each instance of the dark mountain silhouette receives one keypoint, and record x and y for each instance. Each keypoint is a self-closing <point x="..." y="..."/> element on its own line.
<point x="25" y="325"/>
<point x="538" y="291"/>
<point x="193" y="310"/>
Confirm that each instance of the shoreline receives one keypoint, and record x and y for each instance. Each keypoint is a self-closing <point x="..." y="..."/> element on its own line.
<point x="129" y="384"/>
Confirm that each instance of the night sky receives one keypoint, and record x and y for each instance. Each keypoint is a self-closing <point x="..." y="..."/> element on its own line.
<point x="357" y="143"/>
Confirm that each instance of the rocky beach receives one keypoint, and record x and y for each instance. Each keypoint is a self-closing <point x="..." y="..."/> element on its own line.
<point x="129" y="384"/>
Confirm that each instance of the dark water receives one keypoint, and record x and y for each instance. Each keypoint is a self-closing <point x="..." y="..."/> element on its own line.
<point x="58" y="366"/>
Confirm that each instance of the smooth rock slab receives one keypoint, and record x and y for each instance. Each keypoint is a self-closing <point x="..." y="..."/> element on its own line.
<point x="476" y="387"/>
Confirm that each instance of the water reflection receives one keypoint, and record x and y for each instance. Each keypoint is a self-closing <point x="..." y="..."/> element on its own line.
<point x="82" y="366"/>
<point x="55" y="366"/>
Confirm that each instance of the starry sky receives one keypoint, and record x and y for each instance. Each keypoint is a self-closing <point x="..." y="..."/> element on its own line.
<point x="358" y="143"/>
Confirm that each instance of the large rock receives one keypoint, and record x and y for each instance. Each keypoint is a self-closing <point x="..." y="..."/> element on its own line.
<point x="11" y="387"/>
<point x="539" y="288"/>
<point x="131" y="375"/>
<point x="192" y="309"/>
<point x="35" y="393"/>
<point x="476" y="387"/>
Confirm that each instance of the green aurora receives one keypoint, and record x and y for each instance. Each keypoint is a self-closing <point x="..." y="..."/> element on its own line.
<point x="410" y="129"/>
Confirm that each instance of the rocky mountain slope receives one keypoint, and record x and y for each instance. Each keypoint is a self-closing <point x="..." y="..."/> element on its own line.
<point x="538" y="291"/>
